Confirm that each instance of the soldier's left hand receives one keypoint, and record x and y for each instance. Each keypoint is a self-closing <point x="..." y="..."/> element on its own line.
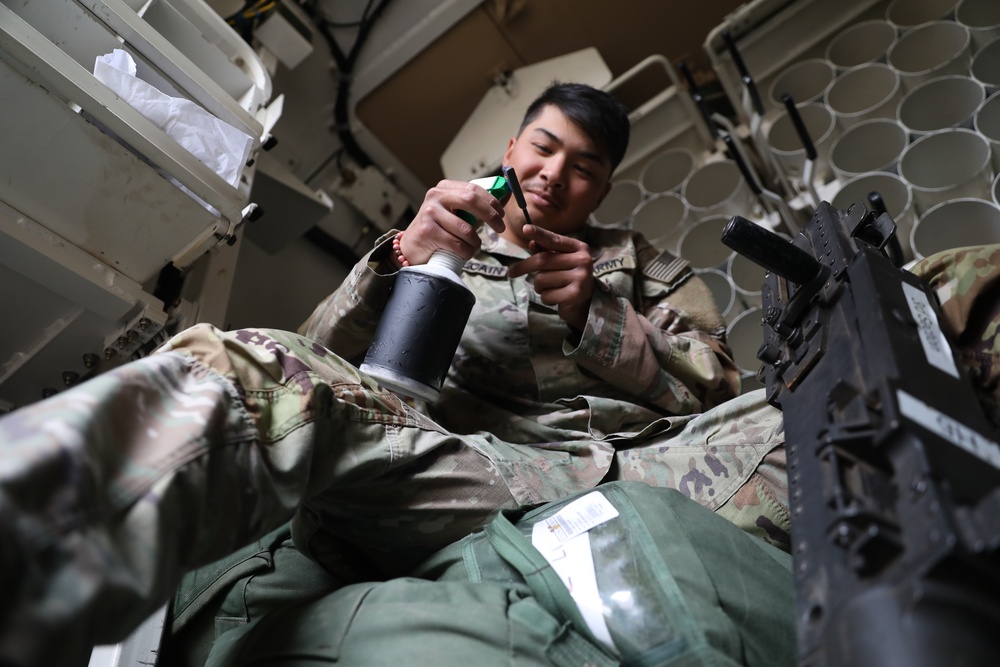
<point x="563" y="273"/>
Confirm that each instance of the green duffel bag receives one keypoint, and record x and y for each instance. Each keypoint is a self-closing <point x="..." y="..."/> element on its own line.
<point x="625" y="574"/>
<point x="653" y="577"/>
<point x="411" y="622"/>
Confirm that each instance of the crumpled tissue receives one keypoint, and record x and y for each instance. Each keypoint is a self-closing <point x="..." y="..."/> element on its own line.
<point x="217" y="144"/>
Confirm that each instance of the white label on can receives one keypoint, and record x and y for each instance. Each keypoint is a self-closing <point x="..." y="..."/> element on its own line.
<point x="954" y="432"/>
<point x="936" y="347"/>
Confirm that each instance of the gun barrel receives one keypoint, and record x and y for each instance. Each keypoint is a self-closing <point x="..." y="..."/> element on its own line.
<point x="770" y="251"/>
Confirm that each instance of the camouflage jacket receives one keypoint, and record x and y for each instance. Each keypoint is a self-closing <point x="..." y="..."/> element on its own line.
<point x="653" y="347"/>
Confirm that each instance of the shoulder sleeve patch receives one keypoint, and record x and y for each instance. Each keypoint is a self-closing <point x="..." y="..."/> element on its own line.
<point x="669" y="269"/>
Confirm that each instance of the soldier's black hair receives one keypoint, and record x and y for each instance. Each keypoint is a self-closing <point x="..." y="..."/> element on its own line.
<point x="601" y="116"/>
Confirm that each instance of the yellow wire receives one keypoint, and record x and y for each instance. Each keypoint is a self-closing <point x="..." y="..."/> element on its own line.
<point x="259" y="8"/>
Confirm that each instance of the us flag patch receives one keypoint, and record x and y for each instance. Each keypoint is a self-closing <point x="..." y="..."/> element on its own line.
<point x="667" y="268"/>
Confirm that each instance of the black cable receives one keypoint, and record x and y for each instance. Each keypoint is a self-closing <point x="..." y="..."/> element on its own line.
<point x="364" y="14"/>
<point x="345" y="67"/>
<point x="340" y="112"/>
<point x="334" y="24"/>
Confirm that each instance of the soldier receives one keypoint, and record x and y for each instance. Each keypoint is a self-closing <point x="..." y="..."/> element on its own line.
<point x="587" y="340"/>
<point x="590" y="357"/>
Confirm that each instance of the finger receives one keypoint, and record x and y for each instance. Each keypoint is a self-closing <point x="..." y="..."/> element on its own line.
<point x="550" y="281"/>
<point x="475" y="203"/>
<point x="439" y="222"/>
<point x="432" y="230"/>
<point x="567" y="296"/>
<point x="457" y="206"/>
<point x="520" y="268"/>
<point x="546" y="240"/>
<point x="557" y="279"/>
<point x="541" y="262"/>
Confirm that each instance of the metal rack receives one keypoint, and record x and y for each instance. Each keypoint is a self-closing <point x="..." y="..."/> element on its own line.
<point x="95" y="199"/>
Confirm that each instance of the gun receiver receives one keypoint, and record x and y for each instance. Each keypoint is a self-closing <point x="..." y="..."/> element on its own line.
<point x="894" y="470"/>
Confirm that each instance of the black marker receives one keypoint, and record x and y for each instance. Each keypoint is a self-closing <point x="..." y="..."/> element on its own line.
<point x="515" y="188"/>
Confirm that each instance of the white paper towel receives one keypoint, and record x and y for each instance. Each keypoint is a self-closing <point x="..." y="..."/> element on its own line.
<point x="217" y="144"/>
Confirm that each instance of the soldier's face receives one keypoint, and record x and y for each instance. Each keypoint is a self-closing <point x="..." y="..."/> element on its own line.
<point x="562" y="172"/>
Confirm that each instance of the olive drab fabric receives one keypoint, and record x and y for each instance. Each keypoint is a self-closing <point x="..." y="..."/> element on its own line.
<point x="409" y="621"/>
<point x="235" y="590"/>
<point x="679" y="586"/>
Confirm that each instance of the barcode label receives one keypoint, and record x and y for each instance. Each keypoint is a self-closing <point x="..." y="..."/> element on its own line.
<point x="936" y="347"/>
<point x="580" y="516"/>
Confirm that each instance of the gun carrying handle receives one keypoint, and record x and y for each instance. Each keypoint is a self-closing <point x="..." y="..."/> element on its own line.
<point x="770" y="251"/>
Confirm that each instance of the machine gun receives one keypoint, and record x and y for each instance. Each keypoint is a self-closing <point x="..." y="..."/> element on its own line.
<point x="894" y="470"/>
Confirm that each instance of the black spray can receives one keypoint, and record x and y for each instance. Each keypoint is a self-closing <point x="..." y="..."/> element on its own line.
<point x="420" y="328"/>
<point x="423" y="320"/>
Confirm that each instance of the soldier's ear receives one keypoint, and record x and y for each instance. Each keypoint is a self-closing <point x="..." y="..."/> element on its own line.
<point x="506" y="153"/>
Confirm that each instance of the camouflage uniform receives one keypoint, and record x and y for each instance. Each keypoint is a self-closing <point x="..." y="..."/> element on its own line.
<point x="565" y="413"/>
<point x="967" y="284"/>
<point x="110" y="491"/>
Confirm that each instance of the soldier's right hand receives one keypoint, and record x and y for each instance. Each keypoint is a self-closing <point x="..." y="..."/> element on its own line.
<point x="437" y="226"/>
